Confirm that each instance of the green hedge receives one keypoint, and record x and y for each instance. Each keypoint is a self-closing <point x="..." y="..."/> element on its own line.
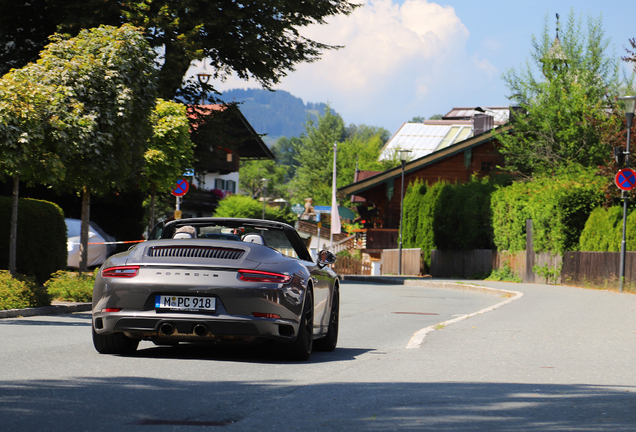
<point x="419" y="208"/>
<point x="603" y="230"/>
<point x="41" y="243"/>
<point x="448" y="216"/>
<point x="559" y="207"/>
<point x="462" y="218"/>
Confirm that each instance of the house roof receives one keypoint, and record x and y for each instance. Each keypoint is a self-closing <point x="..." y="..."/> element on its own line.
<point x="359" y="176"/>
<point x="417" y="164"/>
<point x="250" y="146"/>
<point x="433" y="135"/>
<point x="422" y="139"/>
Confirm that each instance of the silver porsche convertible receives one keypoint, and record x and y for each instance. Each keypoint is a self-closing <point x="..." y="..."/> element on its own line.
<point x="208" y="280"/>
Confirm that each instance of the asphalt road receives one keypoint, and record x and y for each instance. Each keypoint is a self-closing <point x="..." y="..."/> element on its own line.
<point x="556" y="359"/>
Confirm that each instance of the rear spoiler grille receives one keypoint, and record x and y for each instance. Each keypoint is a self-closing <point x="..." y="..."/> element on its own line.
<point x="195" y="252"/>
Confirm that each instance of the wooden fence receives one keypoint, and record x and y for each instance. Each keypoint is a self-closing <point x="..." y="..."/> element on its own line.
<point x="411" y="261"/>
<point x="351" y="266"/>
<point x="585" y="269"/>
<point x="598" y="269"/>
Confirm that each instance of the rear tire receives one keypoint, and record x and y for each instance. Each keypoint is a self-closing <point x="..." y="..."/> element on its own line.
<point x="330" y="340"/>
<point x="116" y="343"/>
<point x="300" y="349"/>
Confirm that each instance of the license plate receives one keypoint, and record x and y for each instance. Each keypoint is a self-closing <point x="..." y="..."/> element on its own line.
<point x="185" y="303"/>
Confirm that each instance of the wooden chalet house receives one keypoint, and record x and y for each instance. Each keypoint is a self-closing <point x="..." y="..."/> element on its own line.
<point x="223" y="137"/>
<point x="454" y="148"/>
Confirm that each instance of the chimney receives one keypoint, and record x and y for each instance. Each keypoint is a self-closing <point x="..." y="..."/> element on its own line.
<point x="482" y="123"/>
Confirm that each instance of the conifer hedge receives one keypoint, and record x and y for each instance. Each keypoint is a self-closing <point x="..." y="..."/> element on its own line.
<point x="448" y="216"/>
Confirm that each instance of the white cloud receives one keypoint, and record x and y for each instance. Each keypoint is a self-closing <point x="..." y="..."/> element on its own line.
<point x="384" y="43"/>
<point x="397" y="61"/>
<point x="486" y="66"/>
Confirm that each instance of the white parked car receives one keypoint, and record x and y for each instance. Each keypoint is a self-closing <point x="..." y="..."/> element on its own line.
<point x="97" y="253"/>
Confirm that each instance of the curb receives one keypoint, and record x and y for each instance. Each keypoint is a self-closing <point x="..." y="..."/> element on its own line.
<point x="425" y="282"/>
<point x="56" y="309"/>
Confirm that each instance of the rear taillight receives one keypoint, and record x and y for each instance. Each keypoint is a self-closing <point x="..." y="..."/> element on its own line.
<point x="111" y="310"/>
<point x="262" y="276"/>
<point x="122" y="271"/>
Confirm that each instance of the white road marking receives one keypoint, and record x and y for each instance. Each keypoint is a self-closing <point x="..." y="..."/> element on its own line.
<point x="418" y="337"/>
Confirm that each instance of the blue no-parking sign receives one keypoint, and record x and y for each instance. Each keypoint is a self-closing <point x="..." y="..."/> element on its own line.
<point x="625" y="179"/>
<point x="181" y="188"/>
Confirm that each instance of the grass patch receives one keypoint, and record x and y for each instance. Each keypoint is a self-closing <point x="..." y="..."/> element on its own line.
<point x="504" y="274"/>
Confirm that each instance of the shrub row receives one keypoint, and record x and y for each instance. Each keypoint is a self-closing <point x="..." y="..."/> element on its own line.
<point x="21" y="292"/>
<point x="482" y="214"/>
<point x="41" y="238"/>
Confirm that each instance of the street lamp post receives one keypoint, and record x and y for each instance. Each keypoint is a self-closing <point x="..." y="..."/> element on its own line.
<point x="203" y="78"/>
<point x="403" y="156"/>
<point x="264" y="193"/>
<point x="630" y="103"/>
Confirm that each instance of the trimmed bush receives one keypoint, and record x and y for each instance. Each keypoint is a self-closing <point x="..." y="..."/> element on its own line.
<point x="71" y="286"/>
<point x="21" y="292"/>
<point x="41" y="243"/>
<point x="603" y="230"/>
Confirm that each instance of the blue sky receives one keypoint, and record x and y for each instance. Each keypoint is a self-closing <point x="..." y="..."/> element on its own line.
<point x="407" y="58"/>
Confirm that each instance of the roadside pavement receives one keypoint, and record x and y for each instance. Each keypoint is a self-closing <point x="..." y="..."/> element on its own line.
<point x="56" y="308"/>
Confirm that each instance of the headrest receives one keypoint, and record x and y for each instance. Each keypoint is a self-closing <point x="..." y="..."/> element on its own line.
<point x="182" y="235"/>
<point x="254" y="238"/>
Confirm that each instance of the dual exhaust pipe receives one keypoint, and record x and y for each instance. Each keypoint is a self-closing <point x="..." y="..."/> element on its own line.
<point x="167" y="329"/>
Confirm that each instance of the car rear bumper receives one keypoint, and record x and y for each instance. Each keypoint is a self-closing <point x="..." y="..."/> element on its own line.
<point x="149" y="325"/>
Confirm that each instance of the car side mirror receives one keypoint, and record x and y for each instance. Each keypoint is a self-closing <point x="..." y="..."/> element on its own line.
<point x="326" y="258"/>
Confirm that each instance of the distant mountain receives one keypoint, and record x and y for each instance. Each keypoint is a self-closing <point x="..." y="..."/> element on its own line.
<point x="276" y="114"/>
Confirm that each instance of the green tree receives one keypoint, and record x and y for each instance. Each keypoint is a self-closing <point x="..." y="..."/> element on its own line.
<point x="420" y="119"/>
<point x="107" y="73"/>
<point x="563" y="106"/>
<point x="315" y="157"/>
<point x="241" y="206"/>
<point x="170" y="151"/>
<point x="24" y="115"/>
<point x="252" y="172"/>
<point x="358" y="146"/>
<point x="362" y="150"/>
<point x="286" y="152"/>
<point x="257" y="39"/>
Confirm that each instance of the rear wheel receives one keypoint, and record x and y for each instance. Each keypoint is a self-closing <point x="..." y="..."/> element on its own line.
<point x="300" y="349"/>
<point x="116" y="343"/>
<point x="330" y="340"/>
